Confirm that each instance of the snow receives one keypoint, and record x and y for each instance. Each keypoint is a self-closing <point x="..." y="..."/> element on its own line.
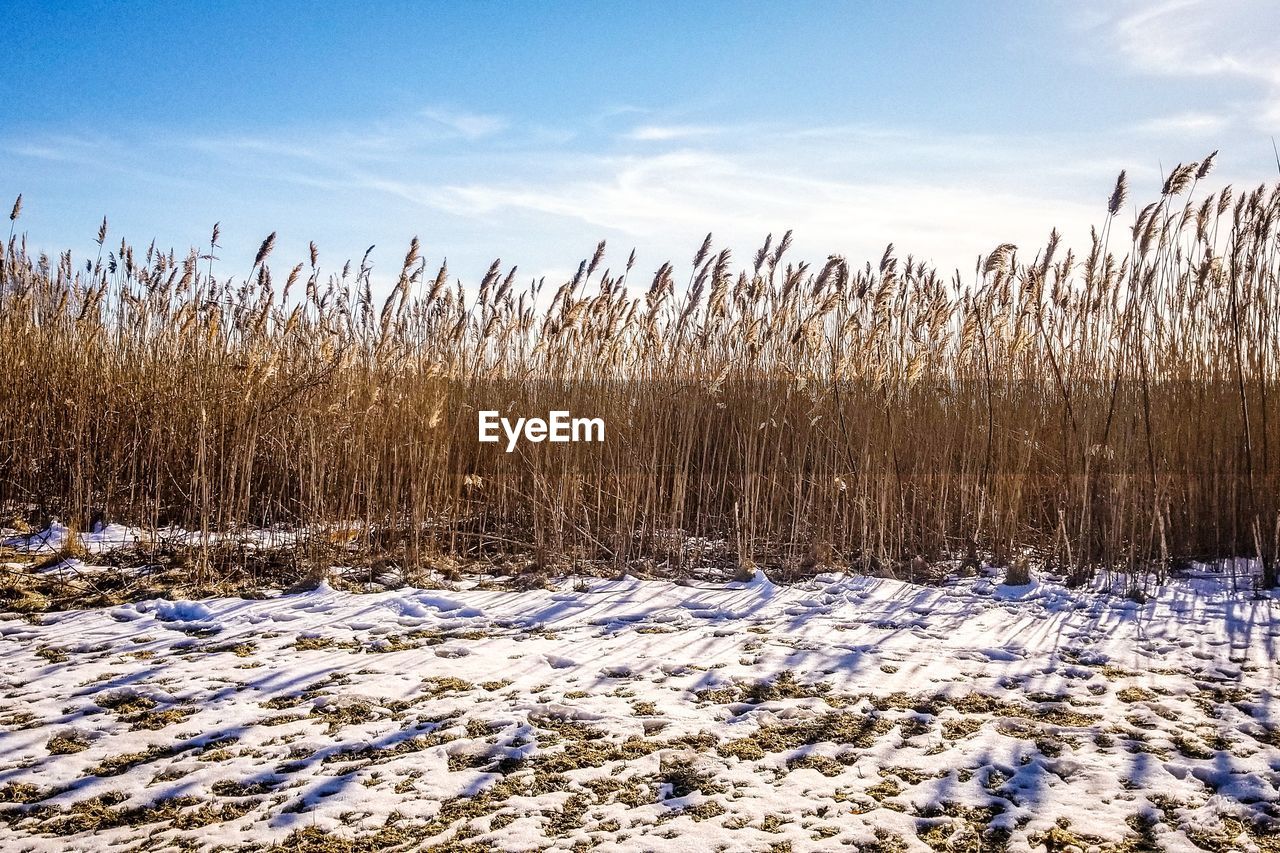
<point x="179" y="611"/>
<point x="102" y="538"/>
<point x="933" y="715"/>
<point x="58" y="537"/>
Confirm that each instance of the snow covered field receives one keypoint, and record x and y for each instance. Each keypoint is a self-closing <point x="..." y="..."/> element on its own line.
<point x="844" y="713"/>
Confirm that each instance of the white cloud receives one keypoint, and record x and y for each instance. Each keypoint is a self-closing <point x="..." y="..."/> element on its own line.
<point x="1230" y="41"/>
<point x="1201" y="38"/>
<point x="668" y="133"/>
<point x="469" y="125"/>
<point x="477" y="186"/>
<point x="72" y="150"/>
<point x="664" y="202"/>
<point x="1185" y="124"/>
<point x="536" y="195"/>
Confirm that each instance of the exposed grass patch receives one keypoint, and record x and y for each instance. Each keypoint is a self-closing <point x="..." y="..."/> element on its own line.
<point x="105" y="812"/>
<point x="67" y="742"/>
<point x="21" y="792"/>
<point x="812" y="761"/>
<point x="443" y="685"/>
<point x="1135" y="694"/>
<point x="116" y="764"/>
<point x="309" y="644"/>
<point x="366" y="755"/>
<point x="846" y="729"/>
<point x="239" y="648"/>
<point x="52" y="654"/>
<point x="685" y="777"/>
<point x="782" y="686"/>
<point x="152" y="720"/>
<point x="1191" y="747"/>
<point x="961" y="728"/>
<point x="239" y="788"/>
<point x="124" y="702"/>
<point x="981" y="703"/>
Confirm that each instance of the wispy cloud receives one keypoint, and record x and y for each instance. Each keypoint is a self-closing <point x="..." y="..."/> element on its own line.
<point x="467" y="124"/>
<point x="535" y="194"/>
<point x="475" y="185"/>
<point x="60" y="148"/>
<point x="1228" y="40"/>
<point x="671" y="132"/>
<point x="1201" y="37"/>
<point x="1185" y="124"/>
<point x="662" y="202"/>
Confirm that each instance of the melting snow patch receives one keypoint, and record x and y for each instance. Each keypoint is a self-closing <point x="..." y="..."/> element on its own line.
<point x="425" y="604"/>
<point x="1010" y="705"/>
<point x="179" y="611"/>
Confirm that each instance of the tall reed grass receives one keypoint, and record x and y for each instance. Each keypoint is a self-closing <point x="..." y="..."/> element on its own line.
<point x="1112" y="409"/>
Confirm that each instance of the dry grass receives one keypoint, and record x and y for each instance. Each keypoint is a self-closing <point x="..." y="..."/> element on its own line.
<point x="1112" y="409"/>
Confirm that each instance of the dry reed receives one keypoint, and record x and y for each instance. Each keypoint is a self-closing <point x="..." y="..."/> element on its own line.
<point x="1113" y="410"/>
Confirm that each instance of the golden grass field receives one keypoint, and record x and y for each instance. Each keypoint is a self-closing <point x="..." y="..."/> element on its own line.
<point x="1110" y="406"/>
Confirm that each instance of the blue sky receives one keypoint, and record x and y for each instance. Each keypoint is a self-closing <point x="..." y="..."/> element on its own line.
<point x="528" y="131"/>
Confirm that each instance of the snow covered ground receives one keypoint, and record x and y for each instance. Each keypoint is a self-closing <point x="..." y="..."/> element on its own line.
<point x="844" y="713"/>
